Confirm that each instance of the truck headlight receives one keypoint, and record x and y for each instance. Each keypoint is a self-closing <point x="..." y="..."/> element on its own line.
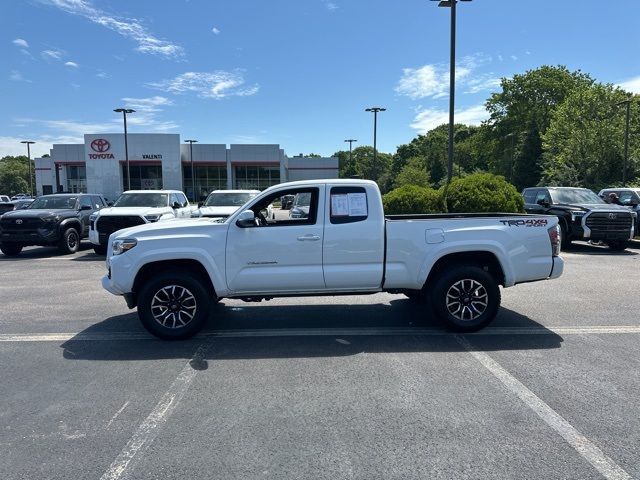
<point x="152" y="218"/>
<point x="122" y="245"/>
<point x="92" y="217"/>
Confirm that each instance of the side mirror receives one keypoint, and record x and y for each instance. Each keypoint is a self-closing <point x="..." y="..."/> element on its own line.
<point x="109" y="204"/>
<point x="246" y="219"/>
<point x="176" y="205"/>
<point x="86" y="207"/>
<point x="543" y="203"/>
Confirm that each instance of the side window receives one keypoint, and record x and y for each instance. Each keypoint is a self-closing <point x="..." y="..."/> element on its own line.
<point x="85" y="202"/>
<point x="183" y="200"/>
<point x="303" y="211"/>
<point x="174" y="199"/>
<point x="348" y="205"/>
<point x="626" y="197"/>
<point x="97" y="202"/>
<point x="529" y="196"/>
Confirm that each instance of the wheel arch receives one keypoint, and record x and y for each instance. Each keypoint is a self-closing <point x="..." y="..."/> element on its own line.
<point x="193" y="267"/>
<point x="484" y="259"/>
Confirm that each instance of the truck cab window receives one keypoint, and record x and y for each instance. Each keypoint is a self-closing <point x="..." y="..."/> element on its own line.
<point x="303" y="210"/>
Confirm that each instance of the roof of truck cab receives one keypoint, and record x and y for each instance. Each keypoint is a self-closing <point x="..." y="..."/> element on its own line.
<point x="153" y="191"/>
<point x="235" y="191"/>
<point x="333" y="181"/>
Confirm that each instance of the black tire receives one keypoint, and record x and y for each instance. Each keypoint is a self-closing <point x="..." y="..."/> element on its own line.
<point x="417" y="296"/>
<point x="11" y="249"/>
<point x="466" y="283"/>
<point x="155" y="297"/>
<point x="69" y="242"/>
<point x="565" y="240"/>
<point x="100" y="249"/>
<point x="619" y="245"/>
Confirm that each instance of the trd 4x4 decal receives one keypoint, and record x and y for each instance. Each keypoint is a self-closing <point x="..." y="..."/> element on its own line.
<point x="536" y="222"/>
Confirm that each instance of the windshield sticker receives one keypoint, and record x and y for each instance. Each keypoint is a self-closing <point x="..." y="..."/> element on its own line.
<point x="536" y="222"/>
<point x="357" y="204"/>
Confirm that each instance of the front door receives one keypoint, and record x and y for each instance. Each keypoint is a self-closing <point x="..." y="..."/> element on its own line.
<point x="278" y="255"/>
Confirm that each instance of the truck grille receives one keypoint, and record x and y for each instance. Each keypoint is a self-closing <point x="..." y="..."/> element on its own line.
<point x="109" y="224"/>
<point x="26" y="225"/>
<point x="602" y="222"/>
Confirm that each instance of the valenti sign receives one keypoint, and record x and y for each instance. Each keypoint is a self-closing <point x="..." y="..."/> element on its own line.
<point x="101" y="147"/>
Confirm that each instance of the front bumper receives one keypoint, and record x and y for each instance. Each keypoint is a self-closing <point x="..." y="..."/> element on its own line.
<point x="40" y="237"/>
<point x="93" y="237"/>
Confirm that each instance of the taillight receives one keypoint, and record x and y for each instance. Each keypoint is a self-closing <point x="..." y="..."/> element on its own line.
<point x="554" y="237"/>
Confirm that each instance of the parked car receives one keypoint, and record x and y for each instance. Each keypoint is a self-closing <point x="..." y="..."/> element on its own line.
<point x="21" y="196"/>
<point x="628" y="197"/>
<point x="583" y="215"/>
<point x="59" y="219"/>
<point x="4" y="199"/>
<point x="136" y="207"/>
<point x="287" y="201"/>
<point x="222" y="203"/>
<point x="15" y="205"/>
<point x="300" y="206"/>
<point x="173" y="272"/>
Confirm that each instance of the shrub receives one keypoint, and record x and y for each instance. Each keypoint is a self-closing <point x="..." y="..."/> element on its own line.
<point x="412" y="199"/>
<point x="483" y="192"/>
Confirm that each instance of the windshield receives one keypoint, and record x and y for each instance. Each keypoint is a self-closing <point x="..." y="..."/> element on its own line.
<point x="54" y="203"/>
<point x="225" y="199"/>
<point x="567" y="195"/>
<point x="142" y="200"/>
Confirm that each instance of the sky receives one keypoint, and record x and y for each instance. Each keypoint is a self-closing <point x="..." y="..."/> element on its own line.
<point x="298" y="73"/>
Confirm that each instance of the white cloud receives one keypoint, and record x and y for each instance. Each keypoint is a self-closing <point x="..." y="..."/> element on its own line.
<point x="127" y="27"/>
<point x="429" y="118"/>
<point x="12" y="146"/>
<point x="500" y="57"/>
<point x="332" y="7"/>
<point x="16" y="76"/>
<point x="217" y="85"/>
<point x="631" y="85"/>
<point x="71" y="64"/>
<point x="54" y="54"/>
<point x="432" y="80"/>
<point x="514" y="58"/>
<point x="20" y="42"/>
<point x="102" y="74"/>
<point x="216" y="30"/>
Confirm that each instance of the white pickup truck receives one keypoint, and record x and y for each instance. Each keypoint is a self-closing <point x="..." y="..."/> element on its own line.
<point x="173" y="272"/>
<point x="136" y="207"/>
<point x="222" y="203"/>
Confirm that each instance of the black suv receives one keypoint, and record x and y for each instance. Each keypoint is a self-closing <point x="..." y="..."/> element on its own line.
<point x="61" y="219"/>
<point x="583" y="215"/>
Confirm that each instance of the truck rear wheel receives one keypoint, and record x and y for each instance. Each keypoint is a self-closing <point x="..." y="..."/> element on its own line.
<point x="465" y="299"/>
<point x="11" y="249"/>
<point x="173" y="306"/>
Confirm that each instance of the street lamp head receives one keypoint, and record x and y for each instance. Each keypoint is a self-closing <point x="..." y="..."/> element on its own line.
<point x="375" y="109"/>
<point x="28" y="142"/>
<point x="124" y="110"/>
<point x="191" y="141"/>
<point x="351" y="140"/>
<point x="447" y="3"/>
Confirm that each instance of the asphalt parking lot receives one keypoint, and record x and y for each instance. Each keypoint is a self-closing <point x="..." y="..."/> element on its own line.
<point x="362" y="387"/>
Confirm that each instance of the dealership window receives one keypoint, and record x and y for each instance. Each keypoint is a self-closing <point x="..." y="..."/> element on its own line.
<point x="256" y="177"/>
<point x="76" y="179"/>
<point x="143" y="177"/>
<point x="208" y="178"/>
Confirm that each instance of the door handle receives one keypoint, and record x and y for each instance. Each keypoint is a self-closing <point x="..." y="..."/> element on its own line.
<point x="309" y="238"/>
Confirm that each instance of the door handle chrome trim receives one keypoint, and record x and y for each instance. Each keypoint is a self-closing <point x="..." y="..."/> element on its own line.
<point x="309" y="238"/>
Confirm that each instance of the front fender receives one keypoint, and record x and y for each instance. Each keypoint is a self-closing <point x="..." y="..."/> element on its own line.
<point x="70" y="222"/>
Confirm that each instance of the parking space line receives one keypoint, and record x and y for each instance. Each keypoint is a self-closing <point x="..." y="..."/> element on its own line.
<point x="150" y="427"/>
<point x="322" y="332"/>
<point x="589" y="451"/>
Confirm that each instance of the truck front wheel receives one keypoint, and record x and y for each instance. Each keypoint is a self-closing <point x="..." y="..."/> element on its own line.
<point x="465" y="299"/>
<point x="11" y="249"/>
<point x="69" y="242"/>
<point x="173" y="306"/>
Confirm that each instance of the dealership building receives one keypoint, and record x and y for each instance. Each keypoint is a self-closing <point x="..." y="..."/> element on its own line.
<point x="159" y="160"/>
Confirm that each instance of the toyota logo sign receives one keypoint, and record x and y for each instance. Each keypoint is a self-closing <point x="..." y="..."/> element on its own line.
<point x="612" y="216"/>
<point x="100" y="145"/>
<point x="19" y="222"/>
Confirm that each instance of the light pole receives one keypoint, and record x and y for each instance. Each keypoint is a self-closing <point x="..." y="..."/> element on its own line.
<point x="512" y="135"/>
<point x="29" y="143"/>
<point x="350" y="140"/>
<point x="626" y="102"/>
<point x="452" y="77"/>
<point x="375" y="111"/>
<point x="193" y="175"/>
<point x="126" y="147"/>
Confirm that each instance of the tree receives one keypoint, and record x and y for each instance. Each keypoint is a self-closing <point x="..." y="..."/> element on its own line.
<point x="363" y="166"/>
<point x="584" y="143"/>
<point x="413" y="173"/>
<point x="14" y="175"/>
<point x="412" y="199"/>
<point x="524" y="108"/>
<point x="482" y="192"/>
<point x="313" y="155"/>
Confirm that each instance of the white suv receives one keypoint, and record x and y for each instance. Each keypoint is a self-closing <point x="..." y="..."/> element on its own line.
<point x="136" y="207"/>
